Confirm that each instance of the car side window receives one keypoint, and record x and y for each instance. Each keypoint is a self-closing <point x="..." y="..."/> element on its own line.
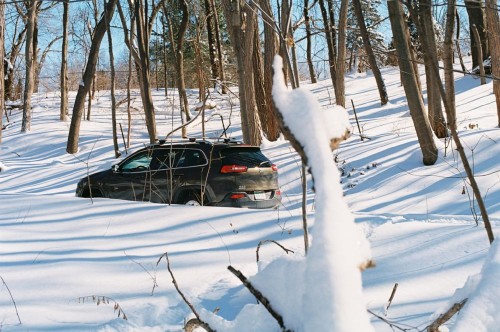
<point x="138" y="163"/>
<point x="177" y="158"/>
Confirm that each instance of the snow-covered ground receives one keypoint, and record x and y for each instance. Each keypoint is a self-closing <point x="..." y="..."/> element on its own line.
<point x="62" y="259"/>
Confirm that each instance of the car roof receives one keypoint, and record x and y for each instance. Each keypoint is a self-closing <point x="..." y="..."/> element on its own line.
<point x="202" y="144"/>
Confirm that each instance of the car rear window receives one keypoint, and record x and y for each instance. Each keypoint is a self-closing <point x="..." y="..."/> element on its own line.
<point x="249" y="156"/>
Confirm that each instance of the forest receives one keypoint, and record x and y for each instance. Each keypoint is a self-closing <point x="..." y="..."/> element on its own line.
<point x="126" y="74"/>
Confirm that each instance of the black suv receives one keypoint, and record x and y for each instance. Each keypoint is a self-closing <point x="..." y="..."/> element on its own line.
<point x="192" y="172"/>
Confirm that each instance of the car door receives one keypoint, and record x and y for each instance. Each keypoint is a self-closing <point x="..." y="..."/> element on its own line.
<point x="174" y="169"/>
<point x="129" y="180"/>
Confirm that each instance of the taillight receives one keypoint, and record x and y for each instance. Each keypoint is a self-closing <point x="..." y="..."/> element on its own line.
<point x="237" y="196"/>
<point x="233" y="169"/>
<point x="274" y="167"/>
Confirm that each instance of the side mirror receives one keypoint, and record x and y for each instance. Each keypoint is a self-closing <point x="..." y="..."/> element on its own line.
<point x="115" y="168"/>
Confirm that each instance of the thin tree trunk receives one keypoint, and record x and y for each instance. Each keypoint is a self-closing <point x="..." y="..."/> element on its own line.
<point x="479" y="54"/>
<point x="449" y="77"/>
<point x="181" y="85"/>
<point x="78" y="108"/>
<point x="425" y="26"/>
<point x="415" y="103"/>
<point x="494" y="39"/>
<point x="476" y="17"/>
<point x="457" y="42"/>
<point x="113" y="98"/>
<point x="218" y="43"/>
<point x="63" y="115"/>
<point x="241" y="21"/>
<point x="14" y="53"/>
<point x="142" y="60"/>
<point x="382" y="91"/>
<point x="307" y="21"/>
<point x="270" y="50"/>
<point x="2" y="80"/>
<point x="330" y="40"/>
<point x="341" y="55"/>
<point x="30" y="64"/>
<point x="212" y="48"/>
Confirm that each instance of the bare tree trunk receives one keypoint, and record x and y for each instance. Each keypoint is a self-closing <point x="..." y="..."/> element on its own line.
<point x="30" y="64"/>
<point x="63" y="114"/>
<point x="113" y="98"/>
<point x="382" y="91"/>
<point x="479" y="54"/>
<point x="2" y="80"/>
<point x="457" y="42"/>
<point x="341" y="55"/>
<point x="476" y="17"/>
<point x="415" y="103"/>
<point x="330" y="40"/>
<point x="142" y="38"/>
<point x="494" y="39"/>
<point x="14" y="53"/>
<point x="241" y="21"/>
<point x="270" y="50"/>
<point x="449" y="78"/>
<point x="78" y="108"/>
<point x="181" y="85"/>
<point x="210" y="14"/>
<point x="307" y="21"/>
<point x="426" y="34"/>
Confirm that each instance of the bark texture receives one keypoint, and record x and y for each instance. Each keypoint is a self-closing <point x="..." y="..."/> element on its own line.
<point x="415" y="103"/>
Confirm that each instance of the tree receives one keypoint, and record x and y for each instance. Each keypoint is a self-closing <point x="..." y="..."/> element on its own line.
<point x="494" y="39"/>
<point x="84" y="87"/>
<point x="112" y="83"/>
<point x="179" y="61"/>
<point x="369" y="52"/>
<point x="139" y="48"/>
<point x="448" y="62"/>
<point x="12" y="56"/>
<point x="336" y="48"/>
<point x="64" y="64"/>
<point x="30" y="58"/>
<point x="423" y="18"/>
<point x="307" y="22"/>
<point x="476" y="14"/>
<point x="241" y="30"/>
<point x="415" y="102"/>
<point x="270" y="124"/>
<point x="214" y="42"/>
<point x="2" y="80"/>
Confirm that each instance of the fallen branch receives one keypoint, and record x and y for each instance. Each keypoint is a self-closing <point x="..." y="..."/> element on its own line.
<point x="443" y="318"/>
<point x="270" y="241"/>
<point x="260" y="297"/>
<point x="199" y="321"/>
<point x="12" y="299"/>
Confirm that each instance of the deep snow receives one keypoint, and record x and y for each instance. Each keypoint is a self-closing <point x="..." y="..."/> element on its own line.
<point x="57" y="251"/>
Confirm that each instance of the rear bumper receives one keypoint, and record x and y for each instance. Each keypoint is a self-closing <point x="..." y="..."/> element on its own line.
<point x="248" y="201"/>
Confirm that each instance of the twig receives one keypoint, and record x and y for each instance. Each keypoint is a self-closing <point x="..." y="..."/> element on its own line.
<point x="260" y="297"/>
<point x="391" y="324"/>
<point x="12" y="299"/>
<point x="390" y="299"/>
<point x="98" y="299"/>
<point x="201" y="322"/>
<point x="443" y="318"/>
<point x="270" y="241"/>
<point x="357" y="122"/>
<point x="153" y="277"/>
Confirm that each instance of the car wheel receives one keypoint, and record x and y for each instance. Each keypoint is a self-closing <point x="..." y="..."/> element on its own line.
<point x="192" y="199"/>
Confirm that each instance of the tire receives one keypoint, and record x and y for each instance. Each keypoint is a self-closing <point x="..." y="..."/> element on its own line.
<point x="193" y="199"/>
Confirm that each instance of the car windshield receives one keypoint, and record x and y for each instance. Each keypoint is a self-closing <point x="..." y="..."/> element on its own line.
<point x="249" y="156"/>
<point x="137" y="163"/>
